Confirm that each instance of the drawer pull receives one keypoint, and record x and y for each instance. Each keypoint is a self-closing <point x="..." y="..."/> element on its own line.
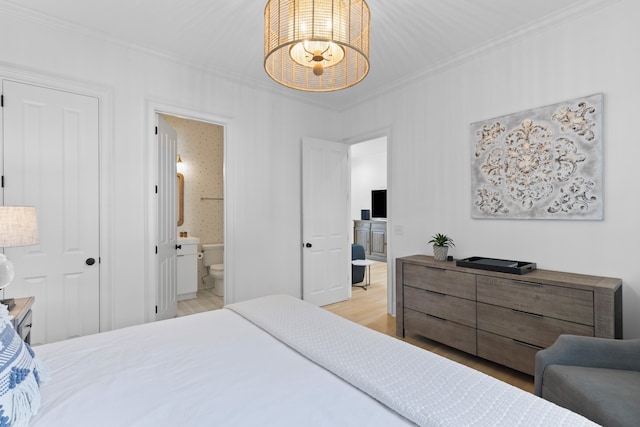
<point x="436" y="293"/>
<point x="526" y="313"/>
<point x="435" y="317"/>
<point x="526" y="344"/>
<point x="537" y="285"/>
<point x="435" y="268"/>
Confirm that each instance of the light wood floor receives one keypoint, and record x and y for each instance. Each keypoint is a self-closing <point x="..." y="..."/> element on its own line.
<point x="369" y="308"/>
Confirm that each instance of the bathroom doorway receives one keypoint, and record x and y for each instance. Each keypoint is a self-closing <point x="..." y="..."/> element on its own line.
<point x="201" y="163"/>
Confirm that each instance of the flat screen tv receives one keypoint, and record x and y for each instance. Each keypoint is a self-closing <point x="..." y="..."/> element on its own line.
<point x="378" y="203"/>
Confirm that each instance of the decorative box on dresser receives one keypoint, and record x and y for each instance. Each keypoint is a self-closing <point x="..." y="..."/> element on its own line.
<point x="502" y="317"/>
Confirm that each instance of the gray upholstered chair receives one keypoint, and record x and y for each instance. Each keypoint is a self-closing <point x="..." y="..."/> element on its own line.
<point x="598" y="378"/>
<point x="357" y="271"/>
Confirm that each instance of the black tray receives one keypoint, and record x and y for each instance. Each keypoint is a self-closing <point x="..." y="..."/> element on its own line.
<point x="493" y="264"/>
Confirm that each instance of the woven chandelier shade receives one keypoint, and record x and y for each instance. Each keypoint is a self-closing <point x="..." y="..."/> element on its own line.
<point x="316" y="45"/>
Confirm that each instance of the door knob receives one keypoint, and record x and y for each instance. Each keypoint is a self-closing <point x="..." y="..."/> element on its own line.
<point x="90" y="261"/>
<point x="308" y="245"/>
<point x="178" y="246"/>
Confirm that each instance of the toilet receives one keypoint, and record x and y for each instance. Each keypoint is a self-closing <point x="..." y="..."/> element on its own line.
<point x="214" y="261"/>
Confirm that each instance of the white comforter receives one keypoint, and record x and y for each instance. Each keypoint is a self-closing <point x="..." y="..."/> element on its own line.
<point x="218" y="369"/>
<point x="424" y="387"/>
<point x="209" y="369"/>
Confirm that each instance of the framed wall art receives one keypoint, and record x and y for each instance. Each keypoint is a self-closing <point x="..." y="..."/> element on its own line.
<point x="543" y="163"/>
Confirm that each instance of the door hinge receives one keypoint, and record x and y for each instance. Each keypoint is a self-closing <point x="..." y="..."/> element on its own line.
<point x="156" y="130"/>
<point x="156" y="250"/>
<point x="156" y="189"/>
<point x="156" y="309"/>
<point x="2" y="183"/>
<point x="2" y="100"/>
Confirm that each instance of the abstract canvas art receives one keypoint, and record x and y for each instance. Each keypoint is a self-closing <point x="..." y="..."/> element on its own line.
<point x="544" y="163"/>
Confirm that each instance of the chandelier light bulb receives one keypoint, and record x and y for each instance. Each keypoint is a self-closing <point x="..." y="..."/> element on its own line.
<point x="318" y="69"/>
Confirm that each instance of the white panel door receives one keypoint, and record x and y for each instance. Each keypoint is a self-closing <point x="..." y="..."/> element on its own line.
<point x="167" y="274"/>
<point x="326" y="252"/>
<point x="51" y="161"/>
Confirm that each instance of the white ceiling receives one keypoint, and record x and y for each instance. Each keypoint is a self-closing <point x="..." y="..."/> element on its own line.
<point x="408" y="37"/>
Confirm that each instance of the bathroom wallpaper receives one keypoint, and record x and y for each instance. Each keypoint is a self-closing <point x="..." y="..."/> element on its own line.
<point x="201" y="146"/>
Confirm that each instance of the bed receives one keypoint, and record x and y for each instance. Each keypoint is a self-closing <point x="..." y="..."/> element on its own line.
<point x="272" y="361"/>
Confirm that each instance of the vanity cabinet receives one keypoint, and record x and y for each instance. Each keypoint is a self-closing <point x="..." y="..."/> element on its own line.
<point x="372" y="234"/>
<point x="502" y="317"/>
<point x="187" y="267"/>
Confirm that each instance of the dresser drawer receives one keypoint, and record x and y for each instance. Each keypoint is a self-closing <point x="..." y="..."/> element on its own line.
<point x="361" y="225"/>
<point x="575" y="305"/>
<point x="508" y="352"/>
<point x="530" y="328"/>
<point x="378" y="227"/>
<point x="450" y="333"/>
<point x="456" y="309"/>
<point x="435" y="279"/>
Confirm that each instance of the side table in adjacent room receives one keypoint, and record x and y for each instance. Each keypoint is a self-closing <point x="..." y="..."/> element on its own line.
<point x="367" y="264"/>
<point x="22" y="316"/>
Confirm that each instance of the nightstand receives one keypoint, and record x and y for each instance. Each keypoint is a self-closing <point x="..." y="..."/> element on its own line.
<point x="21" y="314"/>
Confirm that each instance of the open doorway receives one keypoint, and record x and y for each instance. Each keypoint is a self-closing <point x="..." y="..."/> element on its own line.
<point x="203" y="150"/>
<point x="369" y="211"/>
<point x="200" y="167"/>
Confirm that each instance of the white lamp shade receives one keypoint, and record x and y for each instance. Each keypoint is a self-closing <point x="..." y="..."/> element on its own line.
<point x="18" y="226"/>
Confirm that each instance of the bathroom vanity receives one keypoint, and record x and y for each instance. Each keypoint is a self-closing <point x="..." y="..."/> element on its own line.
<point x="187" y="267"/>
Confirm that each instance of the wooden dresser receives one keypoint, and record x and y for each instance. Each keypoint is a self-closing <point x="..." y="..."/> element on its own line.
<point x="502" y="317"/>
<point x="372" y="234"/>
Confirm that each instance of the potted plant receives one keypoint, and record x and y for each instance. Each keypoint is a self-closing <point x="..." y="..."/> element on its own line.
<point x="441" y="244"/>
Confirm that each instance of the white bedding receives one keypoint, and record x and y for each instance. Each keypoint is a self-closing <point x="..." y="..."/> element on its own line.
<point x="424" y="387"/>
<point x="217" y="368"/>
<point x="209" y="369"/>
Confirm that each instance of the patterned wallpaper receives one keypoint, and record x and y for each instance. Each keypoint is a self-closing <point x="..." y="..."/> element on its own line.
<point x="201" y="146"/>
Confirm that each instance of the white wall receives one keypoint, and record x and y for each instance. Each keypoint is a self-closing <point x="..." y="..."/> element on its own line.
<point x="430" y="151"/>
<point x="262" y="167"/>
<point x="368" y="172"/>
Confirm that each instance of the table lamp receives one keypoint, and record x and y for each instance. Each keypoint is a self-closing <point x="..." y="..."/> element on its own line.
<point x="18" y="227"/>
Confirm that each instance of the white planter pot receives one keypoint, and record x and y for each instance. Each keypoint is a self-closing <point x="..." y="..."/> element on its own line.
<point x="440" y="252"/>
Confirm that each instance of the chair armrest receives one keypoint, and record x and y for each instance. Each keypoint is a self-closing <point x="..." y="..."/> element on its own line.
<point x="593" y="352"/>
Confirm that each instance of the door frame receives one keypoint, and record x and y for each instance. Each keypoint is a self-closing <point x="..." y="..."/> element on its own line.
<point x="385" y="132"/>
<point x="153" y="108"/>
<point x="105" y="98"/>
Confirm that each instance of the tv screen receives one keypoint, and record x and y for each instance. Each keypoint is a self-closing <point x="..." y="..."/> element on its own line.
<point x="378" y="203"/>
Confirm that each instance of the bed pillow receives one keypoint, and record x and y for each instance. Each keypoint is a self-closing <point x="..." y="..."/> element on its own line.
<point x="21" y="374"/>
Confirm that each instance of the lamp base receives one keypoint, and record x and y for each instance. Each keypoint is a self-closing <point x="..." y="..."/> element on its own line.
<point x="9" y="302"/>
